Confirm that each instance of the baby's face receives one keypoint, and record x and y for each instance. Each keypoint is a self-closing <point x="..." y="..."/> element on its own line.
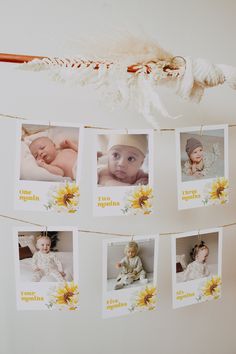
<point x="43" y="149"/>
<point x="124" y="162"/>
<point x="131" y="253"/>
<point x="196" y="155"/>
<point x="43" y="245"/>
<point x="202" y="255"/>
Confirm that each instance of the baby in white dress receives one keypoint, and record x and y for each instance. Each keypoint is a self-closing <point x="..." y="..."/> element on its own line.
<point x="45" y="262"/>
<point x="131" y="267"/>
<point x="198" y="268"/>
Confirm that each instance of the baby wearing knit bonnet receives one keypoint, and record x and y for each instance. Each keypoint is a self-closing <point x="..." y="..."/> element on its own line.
<point x="199" y="162"/>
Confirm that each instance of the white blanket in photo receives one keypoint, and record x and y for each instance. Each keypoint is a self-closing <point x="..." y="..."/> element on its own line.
<point x="66" y="259"/>
<point x="212" y="268"/>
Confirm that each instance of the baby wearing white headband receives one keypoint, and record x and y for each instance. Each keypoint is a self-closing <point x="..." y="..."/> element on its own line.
<point x="126" y="153"/>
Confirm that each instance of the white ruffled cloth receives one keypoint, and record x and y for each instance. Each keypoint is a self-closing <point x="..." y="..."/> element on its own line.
<point x="195" y="270"/>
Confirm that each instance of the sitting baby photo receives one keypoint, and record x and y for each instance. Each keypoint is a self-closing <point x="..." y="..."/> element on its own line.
<point x="130" y="264"/>
<point x="46" y="257"/>
<point x="46" y="262"/>
<point x="122" y="160"/>
<point x="202" y="155"/>
<point x="196" y="257"/>
<point x="49" y="153"/>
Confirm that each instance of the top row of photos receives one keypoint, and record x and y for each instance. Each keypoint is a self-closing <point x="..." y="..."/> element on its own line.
<point x="49" y="165"/>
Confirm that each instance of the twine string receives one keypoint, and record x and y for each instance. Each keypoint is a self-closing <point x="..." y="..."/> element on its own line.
<point x="45" y="227"/>
<point x="3" y="115"/>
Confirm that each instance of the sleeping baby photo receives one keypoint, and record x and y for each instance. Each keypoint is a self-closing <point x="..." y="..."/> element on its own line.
<point x="45" y="257"/>
<point x="48" y="153"/>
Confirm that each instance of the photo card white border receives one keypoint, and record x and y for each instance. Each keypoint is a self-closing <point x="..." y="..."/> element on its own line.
<point x="129" y="299"/>
<point x="202" y="192"/>
<point x="48" y="195"/>
<point x="202" y="289"/>
<point x="47" y="295"/>
<point x="123" y="200"/>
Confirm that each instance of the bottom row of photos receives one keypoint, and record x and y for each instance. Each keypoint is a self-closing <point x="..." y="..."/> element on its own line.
<point x="47" y="270"/>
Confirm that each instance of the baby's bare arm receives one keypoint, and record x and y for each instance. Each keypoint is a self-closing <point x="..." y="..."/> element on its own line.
<point x="51" y="168"/>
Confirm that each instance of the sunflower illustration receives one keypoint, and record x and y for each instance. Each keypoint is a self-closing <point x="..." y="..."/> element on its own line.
<point x="65" y="297"/>
<point x="212" y="287"/>
<point x="65" y="198"/>
<point x="216" y="192"/>
<point x="147" y="298"/>
<point x="219" y="190"/>
<point x="139" y="201"/>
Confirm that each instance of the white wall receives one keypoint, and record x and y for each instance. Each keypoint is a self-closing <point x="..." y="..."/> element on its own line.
<point x="199" y="28"/>
<point x="65" y="243"/>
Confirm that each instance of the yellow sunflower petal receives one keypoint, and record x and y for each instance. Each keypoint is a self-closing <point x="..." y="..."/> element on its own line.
<point x="141" y="198"/>
<point x="219" y="189"/>
<point x="67" y="196"/>
<point x="67" y="294"/>
<point x="212" y="287"/>
<point x="146" y="297"/>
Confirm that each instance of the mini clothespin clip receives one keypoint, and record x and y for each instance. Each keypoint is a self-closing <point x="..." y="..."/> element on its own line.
<point x="201" y="130"/>
<point x="199" y="236"/>
<point x="49" y="126"/>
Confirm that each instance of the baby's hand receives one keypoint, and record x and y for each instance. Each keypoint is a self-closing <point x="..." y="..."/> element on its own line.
<point x="99" y="154"/>
<point x="65" y="144"/>
<point x="118" y="265"/>
<point x="198" y="174"/>
<point x="41" y="163"/>
<point x="142" y="180"/>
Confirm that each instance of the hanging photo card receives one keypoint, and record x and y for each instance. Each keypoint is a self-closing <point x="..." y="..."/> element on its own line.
<point x="123" y="173"/>
<point x="196" y="267"/>
<point x="48" y="167"/>
<point x="46" y="268"/>
<point x="129" y="275"/>
<point x="202" y="166"/>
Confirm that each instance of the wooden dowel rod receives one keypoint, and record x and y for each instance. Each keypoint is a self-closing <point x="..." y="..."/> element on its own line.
<point x="18" y="58"/>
